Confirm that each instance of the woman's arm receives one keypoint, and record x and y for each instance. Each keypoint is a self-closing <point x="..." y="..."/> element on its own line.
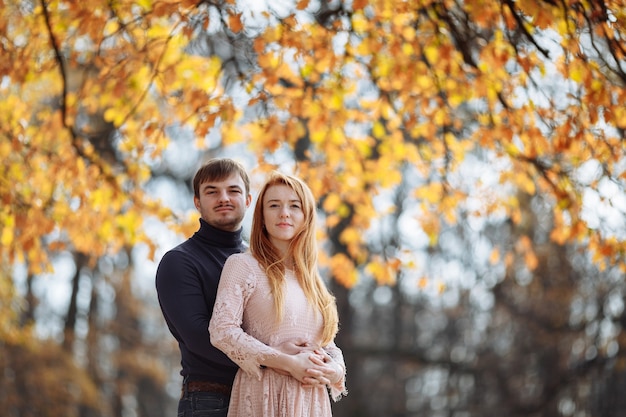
<point x="237" y="283"/>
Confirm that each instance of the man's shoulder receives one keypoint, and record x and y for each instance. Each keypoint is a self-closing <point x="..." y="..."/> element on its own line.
<point x="178" y="250"/>
<point x="179" y="254"/>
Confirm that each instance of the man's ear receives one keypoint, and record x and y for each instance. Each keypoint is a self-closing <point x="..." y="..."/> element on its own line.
<point x="248" y="200"/>
<point x="196" y="202"/>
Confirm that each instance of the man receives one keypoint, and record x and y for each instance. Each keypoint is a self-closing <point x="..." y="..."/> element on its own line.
<point x="187" y="280"/>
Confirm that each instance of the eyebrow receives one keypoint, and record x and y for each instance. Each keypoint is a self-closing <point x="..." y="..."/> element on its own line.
<point x="295" y="200"/>
<point x="214" y="187"/>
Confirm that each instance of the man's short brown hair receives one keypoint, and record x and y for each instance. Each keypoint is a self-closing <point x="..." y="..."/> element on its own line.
<point x="218" y="169"/>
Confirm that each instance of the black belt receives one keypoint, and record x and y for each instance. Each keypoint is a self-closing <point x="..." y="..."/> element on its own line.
<point x="206" y="386"/>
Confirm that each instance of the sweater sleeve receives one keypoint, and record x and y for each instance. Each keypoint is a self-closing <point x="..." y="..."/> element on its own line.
<point x="236" y="285"/>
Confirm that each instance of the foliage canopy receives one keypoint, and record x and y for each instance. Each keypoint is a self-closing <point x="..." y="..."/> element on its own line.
<point x="432" y="113"/>
<point x="366" y="95"/>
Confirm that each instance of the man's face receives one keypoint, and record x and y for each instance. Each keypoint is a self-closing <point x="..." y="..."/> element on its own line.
<point x="223" y="204"/>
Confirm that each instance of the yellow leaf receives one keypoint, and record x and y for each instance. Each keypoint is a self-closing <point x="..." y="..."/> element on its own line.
<point x="360" y="24"/>
<point x="158" y="31"/>
<point x="526" y="183"/>
<point x="343" y="270"/>
<point x="431" y="193"/>
<point x="7" y="236"/>
<point x="144" y="4"/>
<point x="115" y="115"/>
<point x="383" y="272"/>
<point x="331" y="202"/>
<point x="531" y="260"/>
<point x="494" y="258"/>
<point x="111" y="27"/>
<point x="408" y="33"/>
<point x="350" y="234"/>
<point x="378" y="130"/>
<point x="432" y="53"/>
<point x="430" y="225"/>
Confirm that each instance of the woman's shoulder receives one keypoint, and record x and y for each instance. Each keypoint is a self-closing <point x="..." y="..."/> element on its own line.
<point x="242" y="267"/>
<point x="243" y="258"/>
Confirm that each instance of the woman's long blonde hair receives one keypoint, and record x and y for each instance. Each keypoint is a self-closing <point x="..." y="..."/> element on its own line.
<point x="302" y="251"/>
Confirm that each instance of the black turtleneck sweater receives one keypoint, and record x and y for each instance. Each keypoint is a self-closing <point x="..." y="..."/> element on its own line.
<point x="186" y="283"/>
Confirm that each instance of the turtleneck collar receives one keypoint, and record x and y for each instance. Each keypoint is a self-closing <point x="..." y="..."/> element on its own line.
<point x="217" y="237"/>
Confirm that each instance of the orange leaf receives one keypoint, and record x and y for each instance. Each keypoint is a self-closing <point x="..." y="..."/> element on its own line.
<point x="234" y="22"/>
<point x="359" y="4"/>
<point x="302" y="4"/>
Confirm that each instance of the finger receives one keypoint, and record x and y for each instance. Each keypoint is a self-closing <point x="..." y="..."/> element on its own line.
<point x="313" y="373"/>
<point x="316" y="360"/>
<point x="309" y="381"/>
<point x="323" y="380"/>
<point x="301" y="342"/>
<point x="326" y="357"/>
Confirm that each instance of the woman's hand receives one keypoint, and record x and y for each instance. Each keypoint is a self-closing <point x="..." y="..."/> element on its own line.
<point x="311" y="365"/>
<point x="326" y="369"/>
<point x="294" y="347"/>
<point x="305" y="368"/>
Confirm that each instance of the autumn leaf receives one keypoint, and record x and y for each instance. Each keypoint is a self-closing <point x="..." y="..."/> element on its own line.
<point x="234" y="22"/>
<point x="302" y="4"/>
<point x="343" y="270"/>
<point x="391" y="98"/>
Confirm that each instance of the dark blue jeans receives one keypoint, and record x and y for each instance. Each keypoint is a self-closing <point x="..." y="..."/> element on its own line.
<point x="203" y="404"/>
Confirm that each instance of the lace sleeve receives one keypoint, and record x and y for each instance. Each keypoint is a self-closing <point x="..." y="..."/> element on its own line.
<point x="236" y="285"/>
<point x="338" y="389"/>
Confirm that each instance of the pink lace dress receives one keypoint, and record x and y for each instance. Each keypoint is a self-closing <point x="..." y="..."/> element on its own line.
<point x="244" y="327"/>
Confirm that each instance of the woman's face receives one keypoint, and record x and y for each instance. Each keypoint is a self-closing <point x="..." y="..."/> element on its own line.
<point x="282" y="215"/>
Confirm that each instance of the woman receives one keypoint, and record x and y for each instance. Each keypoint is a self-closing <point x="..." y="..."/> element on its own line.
<point x="274" y="294"/>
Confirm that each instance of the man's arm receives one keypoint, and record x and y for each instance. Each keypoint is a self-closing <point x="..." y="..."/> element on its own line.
<point x="184" y="305"/>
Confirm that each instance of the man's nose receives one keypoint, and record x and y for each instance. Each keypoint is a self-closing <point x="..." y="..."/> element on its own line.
<point x="224" y="196"/>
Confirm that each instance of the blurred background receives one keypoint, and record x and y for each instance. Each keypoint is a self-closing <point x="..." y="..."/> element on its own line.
<point x="467" y="156"/>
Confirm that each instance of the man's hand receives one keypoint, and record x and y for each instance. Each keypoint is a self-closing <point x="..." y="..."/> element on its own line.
<point x="326" y="371"/>
<point x="293" y="347"/>
<point x="320" y="368"/>
<point x="305" y="370"/>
